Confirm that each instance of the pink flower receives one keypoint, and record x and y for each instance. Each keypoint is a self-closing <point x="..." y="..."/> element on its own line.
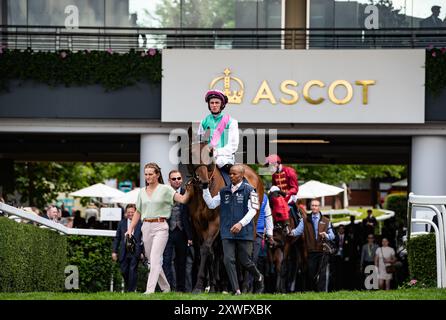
<point x="63" y="54"/>
<point x="109" y="50"/>
<point x="413" y="282"/>
<point x="434" y="54"/>
<point x="152" y="52"/>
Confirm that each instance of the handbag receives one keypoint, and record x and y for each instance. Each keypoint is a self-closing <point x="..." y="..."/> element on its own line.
<point x="390" y="268"/>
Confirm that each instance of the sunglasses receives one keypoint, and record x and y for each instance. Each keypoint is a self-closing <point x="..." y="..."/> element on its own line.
<point x="174" y="179"/>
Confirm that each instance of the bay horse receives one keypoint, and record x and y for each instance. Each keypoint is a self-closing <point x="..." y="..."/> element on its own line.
<point x="288" y="255"/>
<point x="205" y="221"/>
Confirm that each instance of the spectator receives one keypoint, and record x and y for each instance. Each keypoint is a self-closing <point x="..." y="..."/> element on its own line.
<point x="353" y="253"/>
<point x="67" y="222"/>
<point x="341" y="259"/>
<point x="52" y="213"/>
<point x="369" y="223"/>
<point x="128" y="261"/>
<point x="154" y="205"/>
<point x="237" y="226"/>
<point x="78" y="221"/>
<point x="368" y="252"/>
<point x="65" y="212"/>
<point x="93" y="223"/>
<point x="317" y="229"/>
<point x="433" y="21"/>
<point x="91" y="211"/>
<point x="180" y="238"/>
<point x="384" y="256"/>
<point x="353" y="231"/>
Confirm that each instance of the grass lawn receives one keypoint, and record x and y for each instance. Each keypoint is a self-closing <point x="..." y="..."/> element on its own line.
<point x="401" y="294"/>
<point x="346" y="217"/>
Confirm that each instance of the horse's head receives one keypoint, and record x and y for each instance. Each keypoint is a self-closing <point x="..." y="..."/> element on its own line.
<point x="201" y="160"/>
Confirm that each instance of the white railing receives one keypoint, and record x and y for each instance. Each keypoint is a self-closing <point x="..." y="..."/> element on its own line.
<point x="12" y="211"/>
<point x="437" y="204"/>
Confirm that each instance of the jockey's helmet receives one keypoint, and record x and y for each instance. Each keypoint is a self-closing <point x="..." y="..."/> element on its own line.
<point x="218" y="95"/>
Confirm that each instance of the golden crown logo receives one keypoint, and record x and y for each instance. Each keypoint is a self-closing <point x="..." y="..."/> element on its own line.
<point x="235" y="96"/>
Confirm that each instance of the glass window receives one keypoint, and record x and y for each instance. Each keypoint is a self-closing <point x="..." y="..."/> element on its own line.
<point x="52" y="12"/>
<point x="17" y="12"/>
<point x="392" y="13"/>
<point x="207" y="13"/>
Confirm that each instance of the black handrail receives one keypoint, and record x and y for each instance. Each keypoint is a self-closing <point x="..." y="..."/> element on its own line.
<point x="53" y="38"/>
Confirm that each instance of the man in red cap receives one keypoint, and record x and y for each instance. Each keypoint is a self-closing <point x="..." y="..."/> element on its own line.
<point x="285" y="178"/>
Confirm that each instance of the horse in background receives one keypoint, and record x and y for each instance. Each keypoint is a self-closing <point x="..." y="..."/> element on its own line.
<point x="288" y="255"/>
<point x="205" y="221"/>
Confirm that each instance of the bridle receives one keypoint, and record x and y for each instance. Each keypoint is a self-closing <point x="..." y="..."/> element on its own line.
<point x="196" y="179"/>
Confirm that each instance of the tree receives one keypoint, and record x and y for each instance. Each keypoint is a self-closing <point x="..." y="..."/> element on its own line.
<point x="39" y="183"/>
<point x="389" y="17"/>
<point x="337" y="174"/>
<point x="195" y="14"/>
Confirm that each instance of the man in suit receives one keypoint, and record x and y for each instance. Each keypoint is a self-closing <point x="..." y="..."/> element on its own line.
<point x="369" y="224"/>
<point x="180" y="238"/>
<point x="316" y="230"/>
<point x="128" y="261"/>
<point x="433" y="21"/>
<point x="341" y="259"/>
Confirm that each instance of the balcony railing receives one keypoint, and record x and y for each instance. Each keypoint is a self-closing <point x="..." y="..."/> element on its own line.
<point x="49" y="38"/>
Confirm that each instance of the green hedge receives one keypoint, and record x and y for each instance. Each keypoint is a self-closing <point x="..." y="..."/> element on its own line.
<point x="92" y="256"/>
<point x="422" y="261"/>
<point x="435" y="70"/>
<point x="31" y="258"/>
<point x="397" y="202"/>
<point x="111" y="70"/>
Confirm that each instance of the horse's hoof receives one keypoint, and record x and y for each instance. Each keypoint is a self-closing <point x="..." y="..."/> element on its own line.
<point x="197" y="291"/>
<point x="212" y="290"/>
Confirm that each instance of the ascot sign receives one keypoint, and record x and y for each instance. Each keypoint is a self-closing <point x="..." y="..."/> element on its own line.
<point x="286" y="87"/>
<point x="297" y="86"/>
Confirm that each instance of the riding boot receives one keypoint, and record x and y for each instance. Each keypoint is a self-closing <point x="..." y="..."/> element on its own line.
<point x="227" y="167"/>
<point x="225" y="173"/>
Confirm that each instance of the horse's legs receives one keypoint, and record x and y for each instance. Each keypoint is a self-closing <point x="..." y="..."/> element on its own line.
<point x="278" y="259"/>
<point x="205" y="250"/>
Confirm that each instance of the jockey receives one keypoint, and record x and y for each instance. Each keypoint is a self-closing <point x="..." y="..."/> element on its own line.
<point x="279" y="207"/>
<point x="285" y="178"/>
<point x="224" y="136"/>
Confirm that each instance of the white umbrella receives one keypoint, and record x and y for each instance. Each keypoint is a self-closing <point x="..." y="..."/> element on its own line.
<point x="316" y="189"/>
<point x="98" y="190"/>
<point x="127" y="198"/>
<point x="401" y="183"/>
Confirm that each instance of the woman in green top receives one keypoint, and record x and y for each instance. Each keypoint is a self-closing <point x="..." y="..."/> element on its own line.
<point x="154" y="206"/>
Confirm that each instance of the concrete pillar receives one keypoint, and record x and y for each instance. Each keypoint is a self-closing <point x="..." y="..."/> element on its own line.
<point x="428" y="172"/>
<point x="295" y="17"/>
<point x="157" y="148"/>
<point x="428" y="167"/>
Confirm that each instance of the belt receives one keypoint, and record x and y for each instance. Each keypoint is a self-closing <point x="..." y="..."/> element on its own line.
<point x="155" y="220"/>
